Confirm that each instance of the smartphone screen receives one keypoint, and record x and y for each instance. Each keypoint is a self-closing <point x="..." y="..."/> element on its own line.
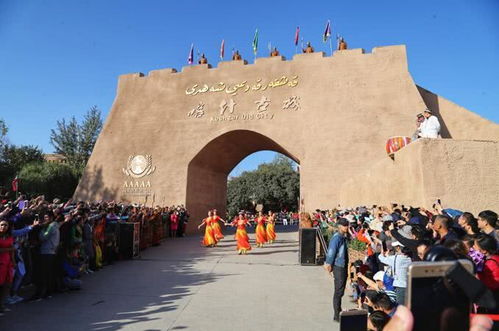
<point x="437" y="304"/>
<point x="355" y="320"/>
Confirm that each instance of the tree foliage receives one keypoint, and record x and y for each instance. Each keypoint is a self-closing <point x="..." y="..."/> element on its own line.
<point x="276" y="185"/>
<point x="51" y="179"/>
<point x="18" y="156"/>
<point x="76" y="140"/>
<point x="14" y="158"/>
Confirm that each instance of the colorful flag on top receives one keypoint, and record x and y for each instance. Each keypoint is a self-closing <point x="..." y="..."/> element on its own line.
<point x="222" y="49"/>
<point x="190" y="59"/>
<point x="255" y="42"/>
<point x="297" y="35"/>
<point x="327" y="32"/>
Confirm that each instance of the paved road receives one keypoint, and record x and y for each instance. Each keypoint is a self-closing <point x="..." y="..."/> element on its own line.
<point x="183" y="286"/>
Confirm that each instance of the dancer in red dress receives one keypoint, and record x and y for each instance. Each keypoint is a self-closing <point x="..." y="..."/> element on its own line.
<point x="217" y="229"/>
<point x="209" y="239"/>
<point x="271" y="227"/>
<point x="261" y="234"/>
<point x="242" y="239"/>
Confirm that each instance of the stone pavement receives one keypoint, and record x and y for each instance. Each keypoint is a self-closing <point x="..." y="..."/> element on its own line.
<point x="183" y="286"/>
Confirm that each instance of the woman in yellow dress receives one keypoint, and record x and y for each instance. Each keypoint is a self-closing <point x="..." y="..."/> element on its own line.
<point x="242" y="239"/>
<point x="209" y="236"/>
<point x="217" y="229"/>
<point x="271" y="227"/>
<point x="261" y="235"/>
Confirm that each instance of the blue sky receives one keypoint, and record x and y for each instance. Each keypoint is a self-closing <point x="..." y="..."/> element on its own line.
<point x="59" y="58"/>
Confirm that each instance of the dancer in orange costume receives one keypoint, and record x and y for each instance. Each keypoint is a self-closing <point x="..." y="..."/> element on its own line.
<point x="271" y="227"/>
<point x="209" y="237"/>
<point x="261" y="235"/>
<point x="217" y="229"/>
<point x="242" y="239"/>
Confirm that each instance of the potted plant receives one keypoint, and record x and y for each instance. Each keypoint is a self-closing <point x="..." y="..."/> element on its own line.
<point x="357" y="250"/>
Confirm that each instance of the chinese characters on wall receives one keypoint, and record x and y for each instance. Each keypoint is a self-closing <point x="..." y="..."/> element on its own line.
<point x="229" y="110"/>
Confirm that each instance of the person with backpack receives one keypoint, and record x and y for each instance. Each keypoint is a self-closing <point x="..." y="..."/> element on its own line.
<point x="399" y="264"/>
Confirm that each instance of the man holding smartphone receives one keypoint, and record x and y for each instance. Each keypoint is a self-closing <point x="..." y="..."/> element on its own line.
<point x="337" y="262"/>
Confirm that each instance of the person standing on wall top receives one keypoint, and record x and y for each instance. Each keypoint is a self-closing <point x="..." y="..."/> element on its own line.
<point x="419" y="119"/>
<point x="337" y="262"/>
<point x="430" y="128"/>
<point x="342" y="45"/>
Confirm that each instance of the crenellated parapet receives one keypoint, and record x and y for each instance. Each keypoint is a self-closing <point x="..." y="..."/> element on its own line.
<point x="395" y="54"/>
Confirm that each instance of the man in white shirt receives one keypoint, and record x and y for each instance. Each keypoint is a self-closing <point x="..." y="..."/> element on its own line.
<point x="430" y="128"/>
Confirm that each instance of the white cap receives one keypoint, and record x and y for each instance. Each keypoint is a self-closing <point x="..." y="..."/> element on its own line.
<point x="396" y="243"/>
<point x="379" y="275"/>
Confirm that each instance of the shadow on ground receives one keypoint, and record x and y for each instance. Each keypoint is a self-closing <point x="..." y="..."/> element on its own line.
<point x="155" y="287"/>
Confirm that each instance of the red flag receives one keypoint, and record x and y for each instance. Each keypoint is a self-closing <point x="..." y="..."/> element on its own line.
<point x="297" y="35"/>
<point x="15" y="184"/>
<point x="222" y="49"/>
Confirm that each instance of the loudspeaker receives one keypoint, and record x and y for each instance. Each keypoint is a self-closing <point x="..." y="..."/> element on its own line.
<point x="126" y="240"/>
<point x="307" y="246"/>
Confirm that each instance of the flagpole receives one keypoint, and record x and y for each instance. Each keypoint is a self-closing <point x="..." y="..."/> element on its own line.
<point x="297" y="38"/>
<point x="331" y="45"/>
<point x="255" y="44"/>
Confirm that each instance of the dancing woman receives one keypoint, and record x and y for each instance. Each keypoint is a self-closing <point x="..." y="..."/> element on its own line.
<point x="271" y="227"/>
<point x="242" y="239"/>
<point x="217" y="229"/>
<point x="261" y="235"/>
<point x="209" y="239"/>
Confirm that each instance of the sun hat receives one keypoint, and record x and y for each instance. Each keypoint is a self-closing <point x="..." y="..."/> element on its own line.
<point x="405" y="231"/>
<point x="387" y="218"/>
<point x="376" y="226"/>
<point x="396" y="243"/>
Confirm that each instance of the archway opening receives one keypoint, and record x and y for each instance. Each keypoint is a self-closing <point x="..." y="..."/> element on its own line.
<point x="208" y="171"/>
<point x="264" y="181"/>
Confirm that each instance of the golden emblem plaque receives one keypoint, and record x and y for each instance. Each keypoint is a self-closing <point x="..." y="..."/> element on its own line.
<point x="139" y="166"/>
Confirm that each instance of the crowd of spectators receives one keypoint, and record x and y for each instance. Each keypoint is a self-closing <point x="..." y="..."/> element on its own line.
<point x="47" y="246"/>
<point x="384" y="241"/>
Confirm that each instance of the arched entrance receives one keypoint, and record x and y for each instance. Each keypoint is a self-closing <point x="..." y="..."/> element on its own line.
<point x="208" y="170"/>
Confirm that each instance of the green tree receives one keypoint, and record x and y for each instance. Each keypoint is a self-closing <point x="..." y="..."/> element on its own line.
<point x="276" y="185"/>
<point x="54" y="180"/>
<point x="18" y="156"/>
<point x="14" y="158"/>
<point x="76" y="140"/>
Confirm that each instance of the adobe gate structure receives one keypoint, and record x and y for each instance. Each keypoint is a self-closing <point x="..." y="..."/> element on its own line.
<point x="173" y="137"/>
